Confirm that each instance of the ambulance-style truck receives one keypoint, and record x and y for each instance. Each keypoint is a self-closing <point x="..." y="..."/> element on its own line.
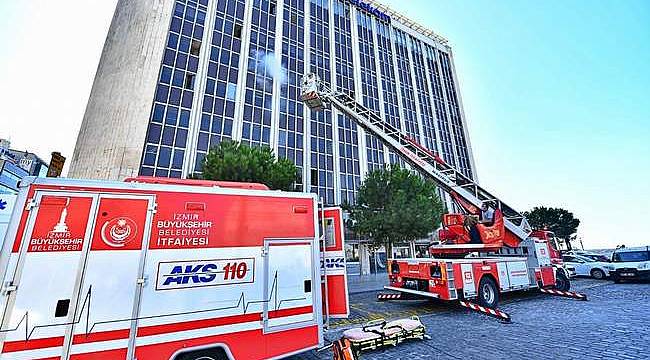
<point x="158" y="269"/>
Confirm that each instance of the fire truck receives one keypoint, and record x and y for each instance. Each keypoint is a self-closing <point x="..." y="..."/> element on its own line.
<point x="509" y="256"/>
<point x="157" y="269"/>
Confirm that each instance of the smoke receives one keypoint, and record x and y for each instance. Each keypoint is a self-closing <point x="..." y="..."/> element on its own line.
<point x="268" y="65"/>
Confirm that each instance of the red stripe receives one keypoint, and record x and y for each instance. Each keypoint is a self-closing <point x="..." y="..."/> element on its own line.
<point x="22" y="345"/>
<point x="250" y="344"/>
<point x="289" y="312"/>
<point x="197" y="324"/>
<point x="101" y="336"/>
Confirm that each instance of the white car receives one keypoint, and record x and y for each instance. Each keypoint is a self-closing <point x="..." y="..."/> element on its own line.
<point x="631" y="264"/>
<point x="588" y="267"/>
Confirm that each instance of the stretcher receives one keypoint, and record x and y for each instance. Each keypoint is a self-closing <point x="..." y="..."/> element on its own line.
<point x="375" y="334"/>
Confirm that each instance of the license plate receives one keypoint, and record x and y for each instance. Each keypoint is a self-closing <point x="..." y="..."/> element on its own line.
<point x="627" y="274"/>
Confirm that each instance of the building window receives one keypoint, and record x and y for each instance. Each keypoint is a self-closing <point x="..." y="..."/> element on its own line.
<point x="314" y="177"/>
<point x="237" y="31"/>
<point x="231" y="91"/>
<point x="189" y="81"/>
<point x="195" y="49"/>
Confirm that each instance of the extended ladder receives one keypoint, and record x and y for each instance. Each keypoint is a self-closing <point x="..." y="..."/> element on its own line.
<point x="317" y="95"/>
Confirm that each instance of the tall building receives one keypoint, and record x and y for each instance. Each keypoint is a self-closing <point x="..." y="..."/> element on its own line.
<point x="177" y="77"/>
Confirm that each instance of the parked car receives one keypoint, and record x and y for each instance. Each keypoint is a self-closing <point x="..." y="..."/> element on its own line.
<point x="585" y="266"/>
<point x="631" y="264"/>
<point x="592" y="256"/>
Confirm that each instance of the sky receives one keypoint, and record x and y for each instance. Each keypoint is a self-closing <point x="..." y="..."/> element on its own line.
<point x="556" y="95"/>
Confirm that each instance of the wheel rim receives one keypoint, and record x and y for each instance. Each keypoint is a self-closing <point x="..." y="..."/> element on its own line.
<point x="488" y="294"/>
<point x="598" y="274"/>
<point x="560" y="283"/>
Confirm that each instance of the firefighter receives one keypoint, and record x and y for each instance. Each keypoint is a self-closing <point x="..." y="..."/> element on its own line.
<point x="487" y="214"/>
<point x="470" y="226"/>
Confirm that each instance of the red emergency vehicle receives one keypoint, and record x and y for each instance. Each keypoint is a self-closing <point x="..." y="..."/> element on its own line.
<point x="472" y="260"/>
<point x="165" y="269"/>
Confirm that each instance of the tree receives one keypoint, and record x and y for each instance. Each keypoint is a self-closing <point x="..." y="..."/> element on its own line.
<point x="232" y="161"/>
<point x="395" y="205"/>
<point x="561" y="222"/>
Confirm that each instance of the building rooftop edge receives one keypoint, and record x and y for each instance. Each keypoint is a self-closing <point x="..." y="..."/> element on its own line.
<point x="408" y="22"/>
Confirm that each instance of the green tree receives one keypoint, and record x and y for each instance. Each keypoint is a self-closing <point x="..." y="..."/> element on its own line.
<point x="395" y="205"/>
<point x="560" y="221"/>
<point x="232" y="161"/>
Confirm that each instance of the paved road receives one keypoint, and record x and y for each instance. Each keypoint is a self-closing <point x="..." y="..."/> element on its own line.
<point x="613" y="324"/>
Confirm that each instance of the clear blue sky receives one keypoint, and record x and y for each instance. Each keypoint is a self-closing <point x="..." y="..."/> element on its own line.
<point x="557" y="94"/>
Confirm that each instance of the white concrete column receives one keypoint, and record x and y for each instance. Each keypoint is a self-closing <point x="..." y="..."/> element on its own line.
<point x="113" y="132"/>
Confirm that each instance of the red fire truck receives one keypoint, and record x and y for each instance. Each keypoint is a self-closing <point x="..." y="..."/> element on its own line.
<point x="508" y="256"/>
<point x="167" y="269"/>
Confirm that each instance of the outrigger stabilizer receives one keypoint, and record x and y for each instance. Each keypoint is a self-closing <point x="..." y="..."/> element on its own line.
<point x="498" y="314"/>
<point x="568" y="294"/>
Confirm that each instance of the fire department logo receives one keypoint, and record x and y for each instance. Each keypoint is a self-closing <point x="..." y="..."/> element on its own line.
<point x="119" y="232"/>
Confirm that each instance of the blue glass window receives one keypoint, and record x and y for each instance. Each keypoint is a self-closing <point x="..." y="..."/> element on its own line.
<point x="172" y="115"/>
<point x="158" y="113"/>
<point x="181" y="138"/>
<point x="177" y="163"/>
<point x="164" y="156"/>
<point x="185" y="118"/>
<point x="165" y="75"/>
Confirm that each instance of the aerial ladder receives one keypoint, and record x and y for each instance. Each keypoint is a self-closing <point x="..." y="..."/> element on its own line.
<point x="510" y="256"/>
<point x="465" y="191"/>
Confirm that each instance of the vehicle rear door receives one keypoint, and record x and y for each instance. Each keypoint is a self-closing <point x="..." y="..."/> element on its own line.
<point x="46" y="280"/>
<point x="108" y="302"/>
<point x="289" y="284"/>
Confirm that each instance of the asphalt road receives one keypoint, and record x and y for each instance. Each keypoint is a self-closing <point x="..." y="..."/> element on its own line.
<point x="613" y="324"/>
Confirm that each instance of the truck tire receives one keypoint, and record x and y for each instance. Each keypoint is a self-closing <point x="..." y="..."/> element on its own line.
<point x="204" y="354"/>
<point x="488" y="293"/>
<point x="562" y="282"/>
<point x="597" y="274"/>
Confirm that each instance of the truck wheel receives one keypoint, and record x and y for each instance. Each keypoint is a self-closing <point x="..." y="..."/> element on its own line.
<point x="488" y="293"/>
<point x="205" y="354"/>
<point x="562" y="283"/>
<point x="597" y="274"/>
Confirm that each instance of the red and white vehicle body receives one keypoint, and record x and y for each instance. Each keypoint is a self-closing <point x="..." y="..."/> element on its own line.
<point x="148" y="269"/>
<point x="526" y="267"/>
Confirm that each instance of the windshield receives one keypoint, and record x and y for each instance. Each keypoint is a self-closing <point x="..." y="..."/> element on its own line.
<point x="631" y="256"/>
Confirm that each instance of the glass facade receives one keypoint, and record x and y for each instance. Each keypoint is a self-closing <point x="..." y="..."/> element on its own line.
<point x="369" y="85"/>
<point x="167" y="135"/>
<point x="231" y="69"/>
<point x="291" y="132"/>
<point x="348" y="133"/>
<point x="260" y="73"/>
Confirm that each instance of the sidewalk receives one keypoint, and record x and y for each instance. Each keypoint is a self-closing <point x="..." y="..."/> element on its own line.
<point x="365" y="283"/>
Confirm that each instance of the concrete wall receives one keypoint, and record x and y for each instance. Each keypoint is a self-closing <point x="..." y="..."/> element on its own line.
<point x="111" y="139"/>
